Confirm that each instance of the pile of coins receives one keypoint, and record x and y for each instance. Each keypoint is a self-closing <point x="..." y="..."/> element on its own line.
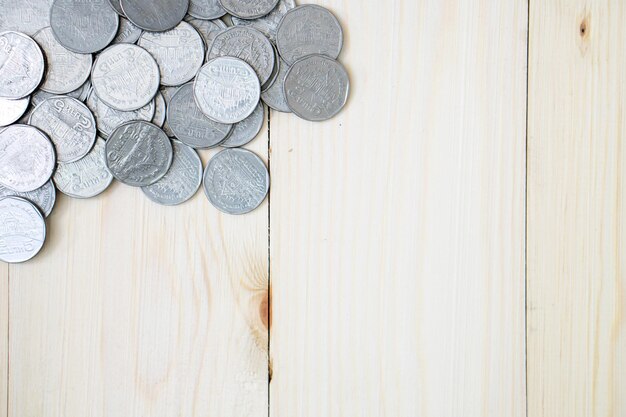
<point x="92" y="91"/>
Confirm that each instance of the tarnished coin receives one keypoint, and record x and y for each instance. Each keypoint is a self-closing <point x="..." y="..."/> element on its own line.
<point x="21" y="65"/>
<point x="108" y="119"/>
<point x="12" y="110"/>
<point x="43" y="197"/>
<point x="66" y="71"/>
<point x="27" y="158"/>
<point x="138" y="153"/>
<point x="236" y="181"/>
<point x="125" y="77"/>
<point x="22" y="230"/>
<point x="274" y="96"/>
<point x="268" y="25"/>
<point x="206" y="9"/>
<point x="155" y="15"/>
<point x="83" y="26"/>
<point x="249" y="9"/>
<point x="227" y="90"/>
<point x="69" y="124"/>
<point x="86" y="177"/>
<point x="190" y="125"/>
<point x="168" y="93"/>
<point x="316" y="88"/>
<point x="115" y="4"/>
<point x="179" y="52"/>
<point x="246" y="130"/>
<point x="208" y="29"/>
<point x="308" y="30"/>
<point x="159" y="110"/>
<point x="127" y="33"/>
<point x="247" y="44"/>
<point x="181" y="182"/>
<point x="26" y="16"/>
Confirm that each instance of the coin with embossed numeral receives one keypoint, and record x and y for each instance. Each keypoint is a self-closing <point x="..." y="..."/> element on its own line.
<point x="108" y="118"/>
<point x="308" y="30"/>
<point x="249" y="9"/>
<point x="246" y="130"/>
<point x="155" y="15"/>
<point x="138" y="153"/>
<point x="127" y="33"/>
<point x="236" y="181"/>
<point x="181" y="182"/>
<point x="86" y="177"/>
<point x="83" y="26"/>
<point x="12" y="110"/>
<point x="227" y="90"/>
<point x="69" y="124"/>
<point x="190" y="125"/>
<point x="26" y="16"/>
<point x="316" y="88"/>
<point x="268" y="25"/>
<point x="22" y="230"/>
<point x="43" y="197"/>
<point x="274" y="96"/>
<point x="21" y="65"/>
<point x="206" y="9"/>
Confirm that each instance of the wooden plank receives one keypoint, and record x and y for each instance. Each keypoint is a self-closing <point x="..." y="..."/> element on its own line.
<point x="4" y="337"/>
<point x="576" y="202"/>
<point x="142" y="310"/>
<point x="397" y="228"/>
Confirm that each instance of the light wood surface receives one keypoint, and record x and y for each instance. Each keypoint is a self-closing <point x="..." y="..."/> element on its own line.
<point x="576" y="202"/>
<point x="397" y="228"/>
<point x="4" y="331"/>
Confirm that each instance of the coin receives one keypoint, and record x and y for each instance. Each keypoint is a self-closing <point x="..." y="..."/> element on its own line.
<point x="316" y="88"/>
<point x="69" y="124"/>
<point x="21" y="65"/>
<point x="247" y="44"/>
<point x="115" y="4"/>
<point x="83" y="92"/>
<point x="155" y="15"/>
<point x="159" y="110"/>
<point x="190" y="125"/>
<point x="66" y="71"/>
<point x="308" y="30"/>
<point x="125" y="77"/>
<point x="83" y="26"/>
<point x="182" y="179"/>
<point x="43" y="197"/>
<point x="26" y="16"/>
<point x="127" y="32"/>
<point x="108" y="119"/>
<point x="138" y="153"/>
<point x="206" y="9"/>
<point x="178" y="52"/>
<point x="236" y="181"/>
<point x="246" y="130"/>
<point x="275" y="71"/>
<point x="27" y="158"/>
<point x="86" y="177"/>
<point x="22" y="230"/>
<point x="268" y="25"/>
<point x="168" y="93"/>
<point x="274" y="96"/>
<point x="247" y="9"/>
<point x="208" y="29"/>
<point x="227" y="90"/>
<point x="12" y="110"/>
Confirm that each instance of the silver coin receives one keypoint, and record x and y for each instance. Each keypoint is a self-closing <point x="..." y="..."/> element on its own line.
<point x="43" y="197"/>
<point x="125" y="77"/>
<point x="39" y="97"/>
<point x="21" y="65"/>
<point x="26" y="16"/>
<point x="69" y="124"/>
<point x="83" y="26"/>
<point x="168" y="93"/>
<point x="12" y="110"/>
<point x="181" y="182"/>
<point x="66" y="71"/>
<point x="108" y="119"/>
<point x="236" y="181"/>
<point x="160" y="110"/>
<point x="83" y="92"/>
<point x="247" y="44"/>
<point x="138" y="153"/>
<point x="155" y="15"/>
<point x="127" y="33"/>
<point x="115" y="4"/>
<point x="27" y="158"/>
<point x="22" y="230"/>
<point x="308" y="30"/>
<point x="246" y="130"/>
<point x="206" y="9"/>
<point x="227" y="90"/>
<point x="274" y="96"/>
<point x="316" y="88"/>
<point x="248" y="9"/>
<point x="86" y="177"/>
<point x="268" y="25"/>
<point x="190" y="125"/>
<point x="179" y="52"/>
<point x="275" y="71"/>
<point x="208" y="29"/>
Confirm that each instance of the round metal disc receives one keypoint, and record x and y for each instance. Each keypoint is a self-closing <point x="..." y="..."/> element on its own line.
<point x="22" y="230"/>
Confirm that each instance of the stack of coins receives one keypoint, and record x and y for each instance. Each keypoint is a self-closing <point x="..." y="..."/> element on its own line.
<point x="94" y="91"/>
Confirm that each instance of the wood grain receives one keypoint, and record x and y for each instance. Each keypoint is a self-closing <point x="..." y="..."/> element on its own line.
<point x="576" y="202"/>
<point x="397" y="228"/>
<point x="141" y="310"/>
<point x="4" y="337"/>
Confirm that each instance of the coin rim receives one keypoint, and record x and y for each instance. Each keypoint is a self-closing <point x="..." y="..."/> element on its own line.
<point x="43" y="222"/>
